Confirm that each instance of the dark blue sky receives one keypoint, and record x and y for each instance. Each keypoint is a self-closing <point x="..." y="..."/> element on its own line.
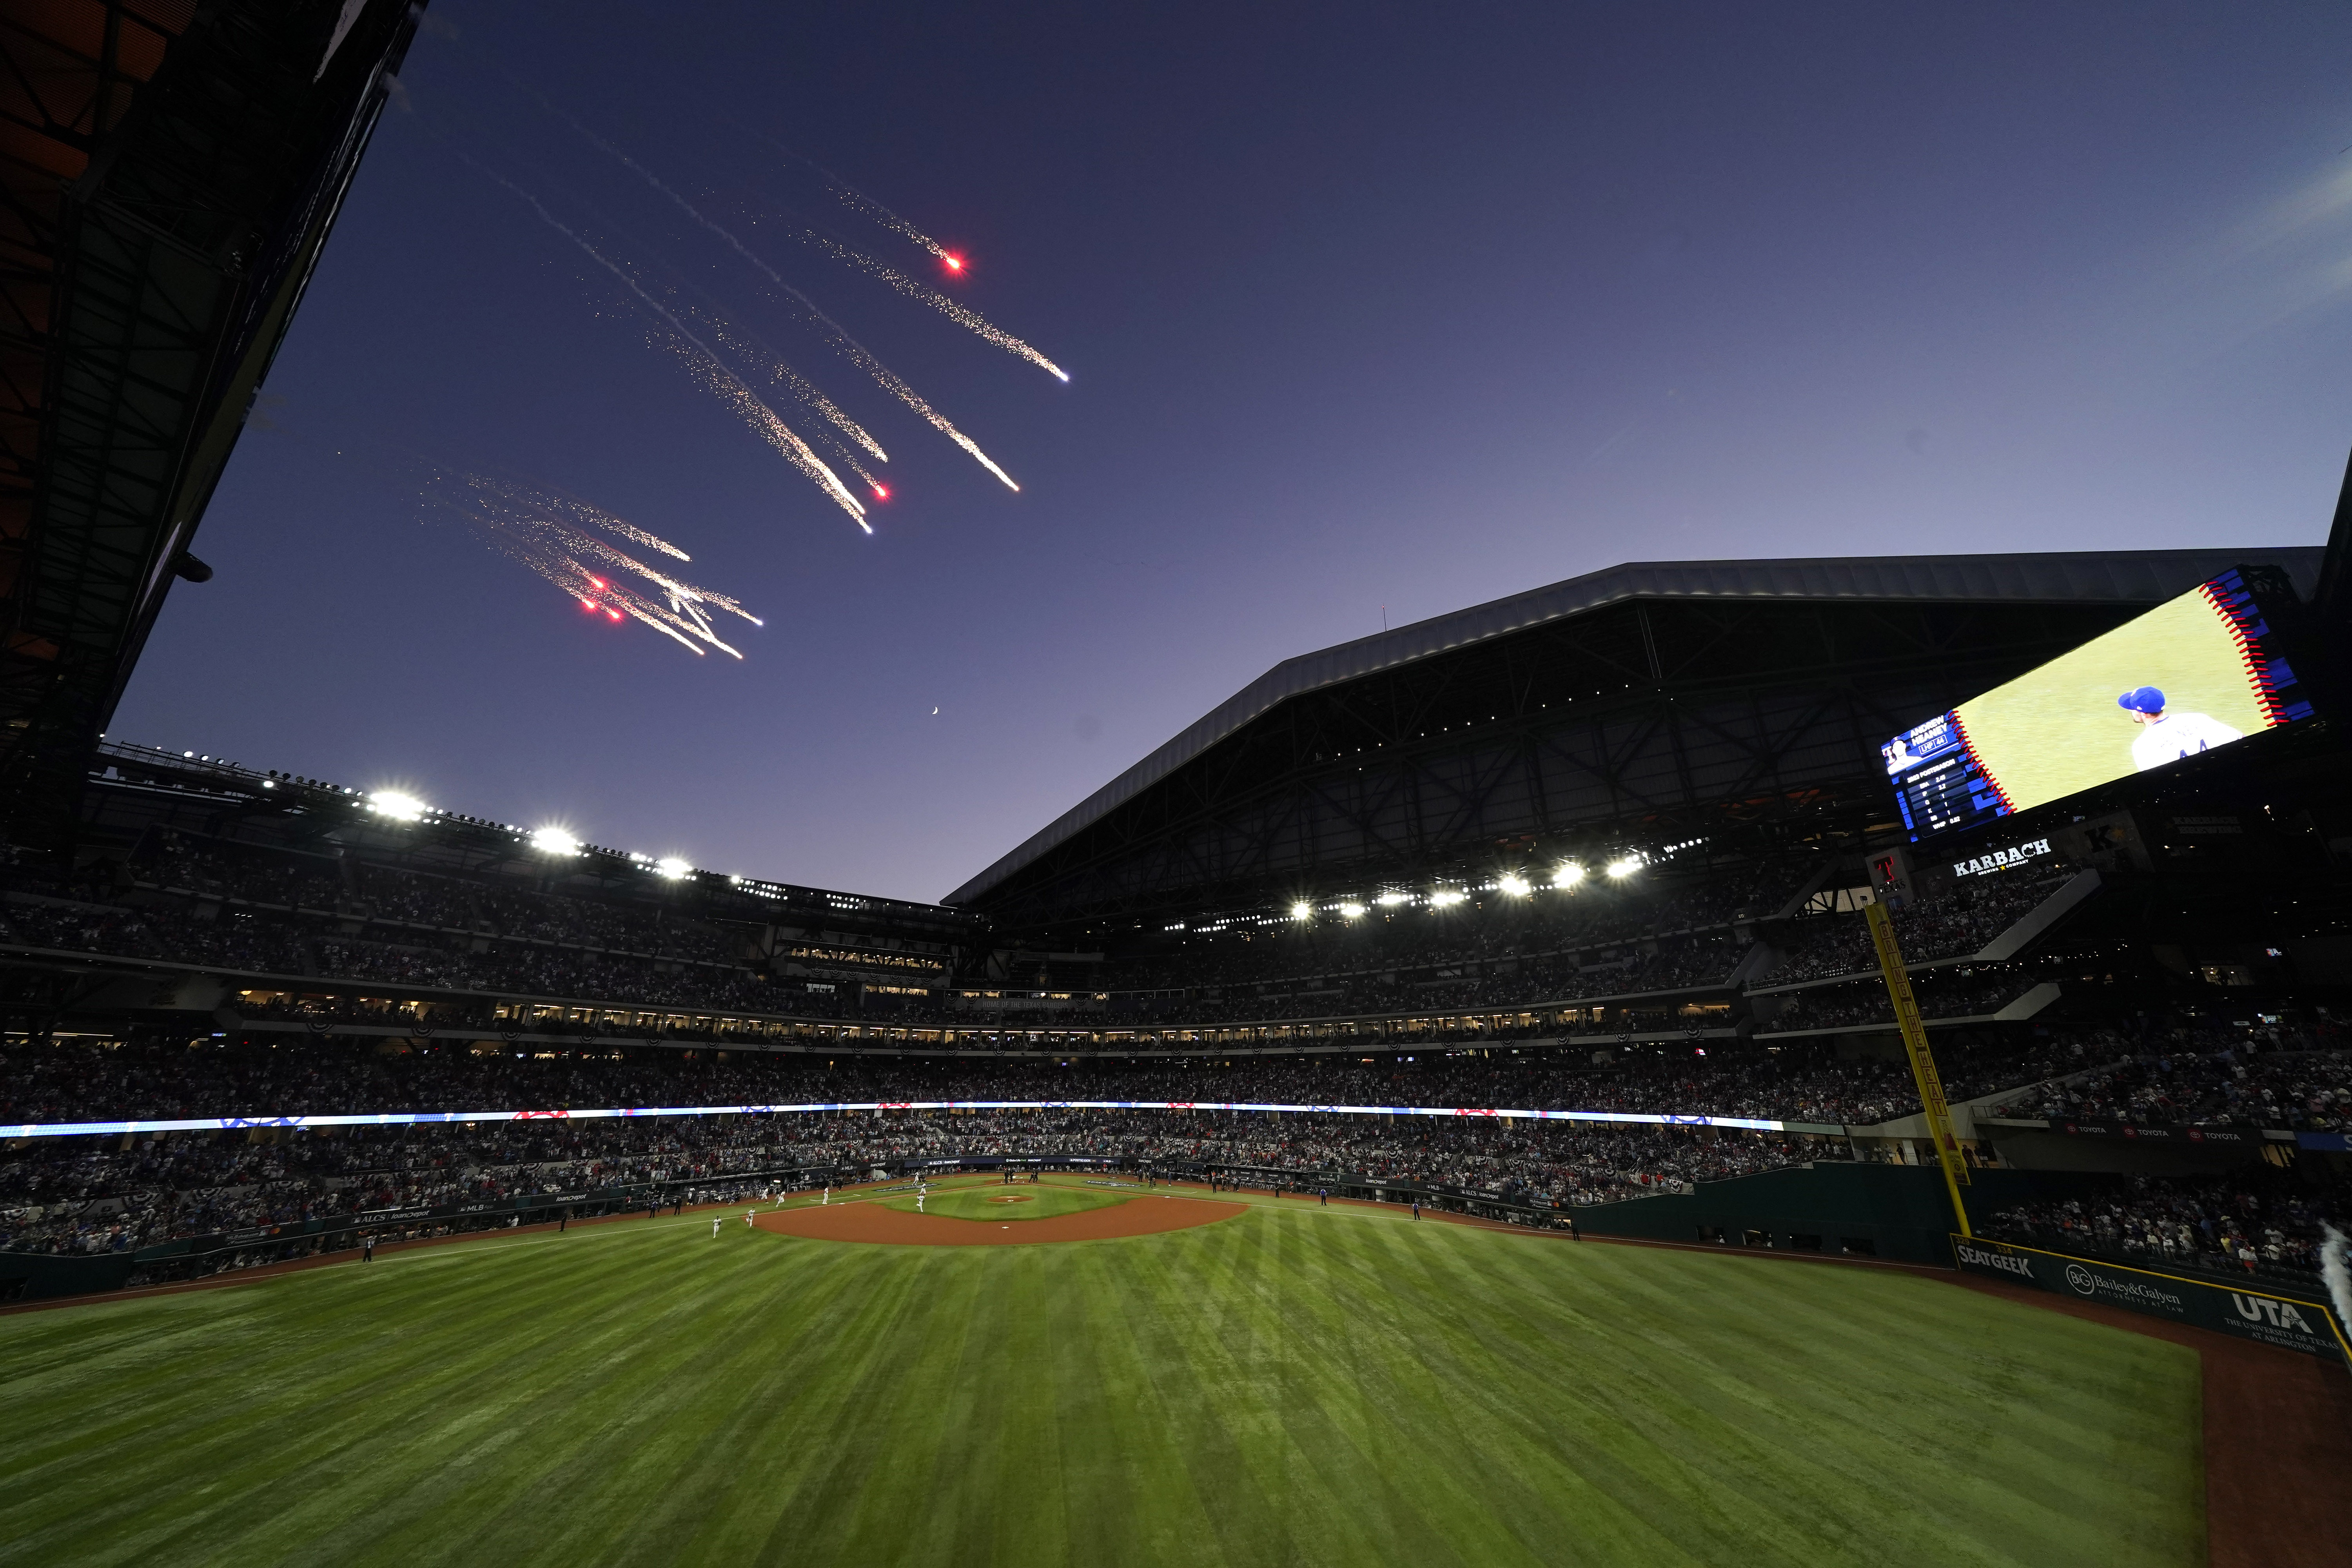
<point x="1364" y="307"/>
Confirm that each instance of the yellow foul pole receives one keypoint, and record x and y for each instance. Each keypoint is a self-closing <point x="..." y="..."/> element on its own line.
<point x="1923" y="1065"/>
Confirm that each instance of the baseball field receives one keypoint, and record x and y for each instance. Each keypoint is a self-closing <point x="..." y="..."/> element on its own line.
<point x="1275" y="1382"/>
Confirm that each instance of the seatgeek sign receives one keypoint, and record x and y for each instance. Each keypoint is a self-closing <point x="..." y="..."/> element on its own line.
<point x="2290" y="1322"/>
<point x="436" y="1118"/>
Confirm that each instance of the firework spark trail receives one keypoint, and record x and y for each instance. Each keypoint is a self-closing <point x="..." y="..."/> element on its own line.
<point x="747" y="347"/>
<point x="847" y="345"/>
<point x="709" y="368"/>
<point x="596" y="517"/>
<point x="881" y="491"/>
<point x="961" y="315"/>
<point x="887" y="379"/>
<point x="857" y="201"/>
<point x="545" y="534"/>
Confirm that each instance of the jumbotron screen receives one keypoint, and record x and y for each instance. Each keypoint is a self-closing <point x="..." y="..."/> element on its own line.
<point x="2196" y="672"/>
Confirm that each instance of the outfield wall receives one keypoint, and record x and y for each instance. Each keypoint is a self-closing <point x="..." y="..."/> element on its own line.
<point x="2290" y="1322"/>
<point x="1899" y="1213"/>
<point x="45" y="1275"/>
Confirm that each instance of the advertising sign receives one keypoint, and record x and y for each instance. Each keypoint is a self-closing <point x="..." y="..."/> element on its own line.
<point x="2254" y="1311"/>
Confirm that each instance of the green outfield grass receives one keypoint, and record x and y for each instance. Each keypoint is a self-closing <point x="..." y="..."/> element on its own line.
<point x="1295" y="1385"/>
<point x="996" y="1202"/>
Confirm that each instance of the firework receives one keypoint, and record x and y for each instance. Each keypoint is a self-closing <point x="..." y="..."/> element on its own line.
<point x="704" y="365"/>
<point x="839" y="336"/>
<point x="853" y="351"/>
<point x="556" y="536"/>
<point x="858" y="202"/>
<point x="962" y="315"/>
<point x="747" y="348"/>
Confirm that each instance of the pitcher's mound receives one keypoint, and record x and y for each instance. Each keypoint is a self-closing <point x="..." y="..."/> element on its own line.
<point x="872" y="1222"/>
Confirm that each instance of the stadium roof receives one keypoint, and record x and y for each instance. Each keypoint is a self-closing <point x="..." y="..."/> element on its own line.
<point x="2086" y="577"/>
<point x="169" y="172"/>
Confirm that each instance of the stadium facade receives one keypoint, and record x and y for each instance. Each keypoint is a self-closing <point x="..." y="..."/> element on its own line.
<point x="1360" y="850"/>
<point x="1587" y="862"/>
<point x="1741" y="703"/>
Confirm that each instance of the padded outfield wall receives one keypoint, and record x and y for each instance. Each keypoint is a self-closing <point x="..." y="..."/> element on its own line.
<point x="1900" y="1211"/>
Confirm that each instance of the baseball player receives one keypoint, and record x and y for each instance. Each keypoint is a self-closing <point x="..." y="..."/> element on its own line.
<point x="714" y="1227"/>
<point x="2166" y="735"/>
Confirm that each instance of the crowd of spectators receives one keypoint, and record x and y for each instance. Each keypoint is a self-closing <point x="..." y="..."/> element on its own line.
<point x="215" y="904"/>
<point x="2210" y="1074"/>
<point x="1974" y="992"/>
<point x="70" y="1083"/>
<point x="2242" y="1222"/>
<point x="99" y="1194"/>
<point x="389" y="896"/>
<point x="1960" y="921"/>
<point x="99" y="1198"/>
<point x="207" y="905"/>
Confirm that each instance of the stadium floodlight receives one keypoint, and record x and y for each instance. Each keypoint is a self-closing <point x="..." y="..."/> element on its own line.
<point x="1391" y="901"/>
<point x="1445" y="899"/>
<point x="400" y="807"/>
<point x="553" y="841"/>
<point x="1302" y="910"/>
<point x="1625" y="865"/>
<point x="1352" y="911"/>
<point x="1514" y="885"/>
<point x="672" y="867"/>
<point x="1569" y="875"/>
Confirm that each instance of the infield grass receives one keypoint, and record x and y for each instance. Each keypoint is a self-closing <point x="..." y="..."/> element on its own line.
<point x="1295" y="1385"/>
<point x="996" y="1201"/>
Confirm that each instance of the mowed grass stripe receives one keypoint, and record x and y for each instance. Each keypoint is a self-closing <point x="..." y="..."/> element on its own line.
<point x="1297" y="1385"/>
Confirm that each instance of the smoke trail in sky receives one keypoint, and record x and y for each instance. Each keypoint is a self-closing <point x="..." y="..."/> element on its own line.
<point x="838" y="335"/>
<point x="555" y="536"/>
<point x="961" y="315"/>
<point x="704" y="365"/>
<point x="2339" y="1277"/>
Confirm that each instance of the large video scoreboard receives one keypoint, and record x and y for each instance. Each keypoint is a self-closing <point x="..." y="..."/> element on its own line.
<point x="2195" y="673"/>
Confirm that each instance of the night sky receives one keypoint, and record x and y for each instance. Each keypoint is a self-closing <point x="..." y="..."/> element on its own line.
<point x="1366" y="309"/>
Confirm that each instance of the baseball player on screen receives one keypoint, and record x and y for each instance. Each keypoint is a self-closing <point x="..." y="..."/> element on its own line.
<point x="2166" y="735"/>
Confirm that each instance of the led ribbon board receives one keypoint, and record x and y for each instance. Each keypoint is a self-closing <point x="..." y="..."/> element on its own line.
<point x="2193" y="674"/>
<point x="436" y="1118"/>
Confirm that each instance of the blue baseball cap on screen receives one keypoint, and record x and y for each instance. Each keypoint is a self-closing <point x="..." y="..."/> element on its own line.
<point x="2142" y="699"/>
